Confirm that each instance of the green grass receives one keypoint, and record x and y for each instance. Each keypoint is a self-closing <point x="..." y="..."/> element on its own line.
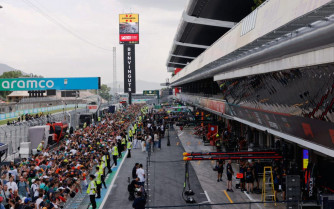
<point x="3" y="122"/>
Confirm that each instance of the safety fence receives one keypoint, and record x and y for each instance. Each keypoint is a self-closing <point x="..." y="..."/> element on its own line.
<point x="248" y="205"/>
<point x="14" y="134"/>
<point x="16" y="114"/>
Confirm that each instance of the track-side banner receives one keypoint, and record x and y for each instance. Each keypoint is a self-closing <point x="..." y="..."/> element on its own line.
<point x="36" y="84"/>
<point x="129" y="69"/>
<point x="218" y="106"/>
<point x="312" y="130"/>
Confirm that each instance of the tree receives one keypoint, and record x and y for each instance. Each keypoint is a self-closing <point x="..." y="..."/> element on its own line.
<point x="257" y="3"/>
<point x="10" y="74"/>
<point x="105" y="92"/>
<point x="14" y="74"/>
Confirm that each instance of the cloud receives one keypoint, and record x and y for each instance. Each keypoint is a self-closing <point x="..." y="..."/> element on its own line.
<point x="33" y="44"/>
<point x="161" y="4"/>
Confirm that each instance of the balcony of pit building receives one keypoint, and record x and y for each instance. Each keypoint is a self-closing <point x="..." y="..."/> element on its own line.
<point x="201" y="24"/>
<point x="261" y="39"/>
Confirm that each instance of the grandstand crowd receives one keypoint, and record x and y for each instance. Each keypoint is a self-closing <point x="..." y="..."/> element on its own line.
<point x="48" y="179"/>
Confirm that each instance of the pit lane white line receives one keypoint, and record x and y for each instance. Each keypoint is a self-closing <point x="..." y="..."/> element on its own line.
<point x="113" y="181"/>
<point x="253" y="200"/>
<point x="207" y="196"/>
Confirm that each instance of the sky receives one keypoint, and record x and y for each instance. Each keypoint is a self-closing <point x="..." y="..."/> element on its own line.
<point x="74" y="38"/>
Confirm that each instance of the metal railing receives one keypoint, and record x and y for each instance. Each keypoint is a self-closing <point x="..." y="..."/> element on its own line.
<point x="13" y="136"/>
<point x="250" y="205"/>
<point x="16" y="133"/>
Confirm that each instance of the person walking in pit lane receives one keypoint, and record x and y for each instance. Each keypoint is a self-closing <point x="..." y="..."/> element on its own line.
<point x="229" y="174"/>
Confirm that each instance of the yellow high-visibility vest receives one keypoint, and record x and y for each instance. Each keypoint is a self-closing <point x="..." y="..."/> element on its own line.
<point x="98" y="178"/>
<point x="123" y="141"/>
<point x="40" y="147"/>
<point x="129" y="145"/>
<point x="89" y="186"/>
<point x="115" y="151"/>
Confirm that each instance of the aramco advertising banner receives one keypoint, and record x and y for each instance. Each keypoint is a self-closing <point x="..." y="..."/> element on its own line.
<point x="129" y="28"/>
<point x="35" y="84"/>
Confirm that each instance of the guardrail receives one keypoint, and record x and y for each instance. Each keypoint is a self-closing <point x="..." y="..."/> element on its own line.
<point x="14" y="134"/>
<point x="16" y="114"/>
<point x="250" y="205"/>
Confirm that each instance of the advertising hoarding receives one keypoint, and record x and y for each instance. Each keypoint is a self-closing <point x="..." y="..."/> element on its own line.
<point x="38" y="84"/>
<point x="92" y="108"/>
<point x="151" y="92"/>
<point x="129" y="69"/>
<point x="70" y="93"/>
<point x="129" y="28"/>
<point x="312" y="130"/>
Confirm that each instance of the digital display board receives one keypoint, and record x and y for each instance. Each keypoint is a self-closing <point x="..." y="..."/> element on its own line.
<point x="129" y="28"/>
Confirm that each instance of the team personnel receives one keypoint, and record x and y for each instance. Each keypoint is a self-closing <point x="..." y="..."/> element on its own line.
<point x="229" y="173"/>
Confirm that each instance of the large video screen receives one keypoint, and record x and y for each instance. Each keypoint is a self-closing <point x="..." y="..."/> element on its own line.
<point x="129" y="29"/>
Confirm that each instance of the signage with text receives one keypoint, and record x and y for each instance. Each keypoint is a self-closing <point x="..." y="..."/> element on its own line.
<point x="70" y="93"/>
<point x="151" y="92"/>
<point x="312" y="130"/>
<point x="37" y="84"/>
<point x="129" y="69"/>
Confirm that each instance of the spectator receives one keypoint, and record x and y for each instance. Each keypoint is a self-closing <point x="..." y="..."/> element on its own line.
<point x="35" y="189"/>
<point x="143" y="143"/>
<point x="54" y="176"/>
<point x="1" y="203"/>
<point x="141" y="174"/>
<point x="134" y="171"/>
<point x="23" y="188"/>
<point x="11" y="184"/>
<point x="132" y="188"/>
<point x="27" y="204"/>
<point x="39" y="200"/>
<point x="139" y="202"/>
<point x="156" y="140"/>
